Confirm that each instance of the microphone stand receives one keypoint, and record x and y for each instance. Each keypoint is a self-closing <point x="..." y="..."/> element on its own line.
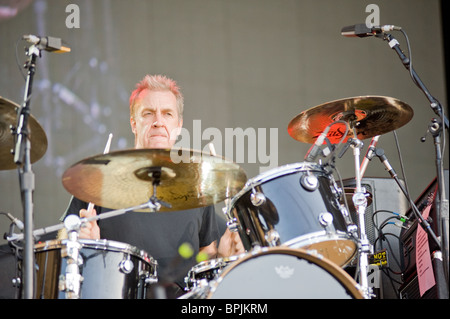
<point x="26" y="175"/>
<point x="436" y="129"/>
<point x="434" y="103"/>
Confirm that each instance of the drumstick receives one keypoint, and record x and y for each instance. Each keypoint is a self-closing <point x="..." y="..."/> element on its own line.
<point x="108" y="145"/>
<point x="212" y="150"/>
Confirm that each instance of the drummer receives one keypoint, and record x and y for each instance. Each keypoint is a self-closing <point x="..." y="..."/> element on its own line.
<point x="156" y="118"/>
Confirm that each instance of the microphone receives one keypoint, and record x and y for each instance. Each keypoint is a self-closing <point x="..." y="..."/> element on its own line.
<point x="315" y="148"/>
<point x="362" y="30"/>
<point x="379" y="152"/>
<point x="49" y="44"/>
<point x="15" y="221"/>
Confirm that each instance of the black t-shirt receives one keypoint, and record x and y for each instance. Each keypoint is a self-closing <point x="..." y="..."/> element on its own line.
<point x="160" y="235"/>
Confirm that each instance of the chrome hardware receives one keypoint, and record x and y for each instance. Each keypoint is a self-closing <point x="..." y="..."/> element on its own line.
<point x="272" y="237"/>
<point x="126" y="266"/>
<point x="257" y="198"/>
<point x="325" y="219"/>
<point x="309" y="182"/>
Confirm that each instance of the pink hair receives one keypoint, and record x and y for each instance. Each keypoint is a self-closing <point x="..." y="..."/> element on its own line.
<point x="158" y="83"/>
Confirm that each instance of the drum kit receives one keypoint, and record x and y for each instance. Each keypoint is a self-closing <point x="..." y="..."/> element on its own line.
<point x="293" y="221"/>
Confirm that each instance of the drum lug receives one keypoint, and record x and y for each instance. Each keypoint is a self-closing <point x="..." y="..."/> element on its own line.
<point x="309" y="182"/>
<point x="257" y="198"/>
<point x="326" y="220"/>
<point x="352" y="229"/>
<point x="126" y="266"/>
<point x="272" y="237"/>
<point x="232" y="224"/>
<point x="231" y="221"/>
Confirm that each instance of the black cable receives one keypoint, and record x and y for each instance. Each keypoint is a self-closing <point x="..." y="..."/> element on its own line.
<point x="402" y="167"/>
<point x="410" y="67"/>
<point x="17" y="60"/>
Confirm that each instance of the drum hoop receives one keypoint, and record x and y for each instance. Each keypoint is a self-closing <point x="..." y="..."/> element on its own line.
<point x="98" y="244"/>
<point x="212" y="263"/>
<point x="326" y="264"/>
<point x="318" y="237"/>
<point x="275" y="173"/>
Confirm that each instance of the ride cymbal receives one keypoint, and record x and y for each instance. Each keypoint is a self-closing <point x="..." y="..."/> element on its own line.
<point x="368" y="116"/>
<point x="8" y="118"/>
<point x="184" y="178"/>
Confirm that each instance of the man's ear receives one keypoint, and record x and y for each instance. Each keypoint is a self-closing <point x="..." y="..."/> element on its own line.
<point x="133" y="124"/>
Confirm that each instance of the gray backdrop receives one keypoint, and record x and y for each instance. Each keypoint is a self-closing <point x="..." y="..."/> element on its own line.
<point x="240" y="63"/>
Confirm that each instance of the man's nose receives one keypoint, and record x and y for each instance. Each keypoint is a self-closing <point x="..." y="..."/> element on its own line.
<point x="158" y="120"/>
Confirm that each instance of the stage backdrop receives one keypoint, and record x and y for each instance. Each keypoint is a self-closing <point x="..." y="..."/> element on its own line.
<point x="252" y="64"/>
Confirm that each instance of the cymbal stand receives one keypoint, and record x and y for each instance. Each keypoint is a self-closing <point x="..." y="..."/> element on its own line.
<point x="70" y="282"/>
<point x="360" y="202"/>
<point x="155" y="174"/>
<point x="369" y="154"/>
<point x="50" y="229"/>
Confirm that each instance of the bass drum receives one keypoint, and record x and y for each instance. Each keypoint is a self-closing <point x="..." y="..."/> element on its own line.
<point x="280" y="273"/>
<point x="110" y="270"/>
<point x="295" y="205"/>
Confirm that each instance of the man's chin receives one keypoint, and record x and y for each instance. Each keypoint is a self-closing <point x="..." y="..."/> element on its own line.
<point x="158" y="145"/>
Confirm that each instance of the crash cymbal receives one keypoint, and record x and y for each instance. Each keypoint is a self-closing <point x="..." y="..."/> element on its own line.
<point x="8" y="117"/>
<point x="123" y="179"/>
<point x="369" y="116"/>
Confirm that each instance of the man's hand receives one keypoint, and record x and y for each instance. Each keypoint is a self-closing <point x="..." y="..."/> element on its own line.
<point x="89" y="230"/>
<point x="230" y="244"/>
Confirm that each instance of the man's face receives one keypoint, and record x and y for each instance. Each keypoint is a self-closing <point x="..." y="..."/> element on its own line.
<point x="156" y="122"/>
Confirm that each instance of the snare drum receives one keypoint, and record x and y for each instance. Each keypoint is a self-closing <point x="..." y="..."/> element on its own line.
<point x="280" y="273"/>
<point x="206" y="271"/>
<point x="109" y="270"/>
<point x="295" y="205"/>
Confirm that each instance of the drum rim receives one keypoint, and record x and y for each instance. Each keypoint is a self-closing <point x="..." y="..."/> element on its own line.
<point x="344" y="278"/>
<point x="100" y="244"/>
<point x="208" y="264"/>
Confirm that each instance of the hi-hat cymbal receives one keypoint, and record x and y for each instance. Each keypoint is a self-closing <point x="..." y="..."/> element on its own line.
<point x="369" y="116"/>
<point x="38" y="139"/>
<point x="124" y="179"/>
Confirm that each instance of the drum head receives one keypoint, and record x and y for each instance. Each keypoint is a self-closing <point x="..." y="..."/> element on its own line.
<point x="283" y="273"/>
